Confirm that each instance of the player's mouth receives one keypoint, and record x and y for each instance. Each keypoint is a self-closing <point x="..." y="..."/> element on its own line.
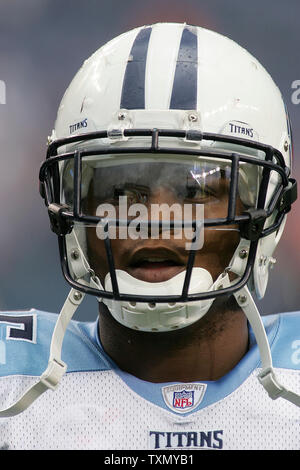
<point x="155" y="265"/>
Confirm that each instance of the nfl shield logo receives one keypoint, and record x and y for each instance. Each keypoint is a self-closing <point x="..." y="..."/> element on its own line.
<point x="183" y="399"/>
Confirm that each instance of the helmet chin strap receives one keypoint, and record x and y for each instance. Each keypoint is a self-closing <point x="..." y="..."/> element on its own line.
<point x="52" y="375"/>
<point x="56" y="367"/>
<point x="267" y="375"/>
<point x="154" y="316"/>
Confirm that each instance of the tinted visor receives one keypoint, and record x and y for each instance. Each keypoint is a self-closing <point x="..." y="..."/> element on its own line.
<point x="153" y="213"/>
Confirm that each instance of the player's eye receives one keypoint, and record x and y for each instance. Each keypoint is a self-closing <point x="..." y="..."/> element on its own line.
<point x="134" y="195"/>
<point x="199" y="194"/>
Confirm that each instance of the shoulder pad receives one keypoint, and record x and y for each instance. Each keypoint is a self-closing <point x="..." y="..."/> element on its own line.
<point x="285" y="346"/>
<point x="25" y="338"/>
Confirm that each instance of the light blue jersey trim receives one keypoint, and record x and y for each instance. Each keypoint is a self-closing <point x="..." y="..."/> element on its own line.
<point x="20" y="356"/>
<point x="25" y="342"/>
<point x="280" y="330"/>
<point x="286" y="345"/>
<point x="215" y="390"/>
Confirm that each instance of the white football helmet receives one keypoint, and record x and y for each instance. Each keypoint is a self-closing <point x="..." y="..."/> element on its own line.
<point x="169" y="104"/>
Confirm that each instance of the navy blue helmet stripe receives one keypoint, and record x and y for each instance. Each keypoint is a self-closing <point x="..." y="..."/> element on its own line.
<point x="133" y="91"/>
<point x="184" y="93"/>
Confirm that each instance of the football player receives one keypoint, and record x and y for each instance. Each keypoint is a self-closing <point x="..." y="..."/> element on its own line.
<point x="168" y="182"/>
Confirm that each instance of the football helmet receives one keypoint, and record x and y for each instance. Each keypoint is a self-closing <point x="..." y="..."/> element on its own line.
<point x="160" y="101"/>
<point x="182" y="111"/>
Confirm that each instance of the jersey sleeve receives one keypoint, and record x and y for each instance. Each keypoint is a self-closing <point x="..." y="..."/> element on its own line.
<point x="285" y="347"/>
<point x="25" y="338"/>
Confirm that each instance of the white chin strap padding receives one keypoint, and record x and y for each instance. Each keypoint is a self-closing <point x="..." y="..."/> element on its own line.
<point x="267" y="376"/>
<point x="160" y="316"/>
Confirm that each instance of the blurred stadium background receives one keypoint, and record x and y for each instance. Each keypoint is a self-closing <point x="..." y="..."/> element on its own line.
<point x="42" y="45"/>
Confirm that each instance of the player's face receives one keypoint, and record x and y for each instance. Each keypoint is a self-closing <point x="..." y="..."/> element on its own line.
<point x="159" y="258"/>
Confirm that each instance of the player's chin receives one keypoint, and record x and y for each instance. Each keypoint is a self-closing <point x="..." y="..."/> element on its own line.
<point x="155" y="272"/>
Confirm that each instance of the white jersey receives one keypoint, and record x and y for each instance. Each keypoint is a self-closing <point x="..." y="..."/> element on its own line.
<point x="98" y="406"/>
